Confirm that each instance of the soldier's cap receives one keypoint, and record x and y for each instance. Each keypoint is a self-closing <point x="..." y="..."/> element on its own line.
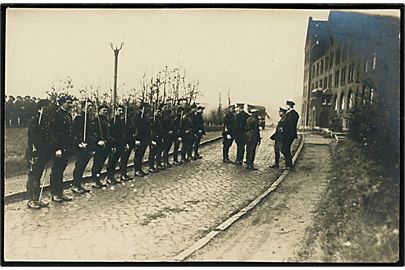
<point x="254" y="110"/>
<point x="42" y="103"/>
<point x="19" y="97"/>
<point x="200" y="107"/>
<point x="240" y="105"/>
<point x="27" y="96"/>
<point x="10" y="96"/>
<point x="231" y="106"/>
<point x="102" y="106"/>
<point x="88" y="102"/>
<point x="282" y="110"/>
<point x="120" y="106"/>
<point x="64" y="99"/>
<point x="290" y="102"/>
<point x="143" y="105"/>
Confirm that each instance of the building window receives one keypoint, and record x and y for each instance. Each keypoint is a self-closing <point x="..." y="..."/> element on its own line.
<point x="321" y="72"/>
<point x="312" y="86"/>
<point x="374" y="60"/>
<point x="330" y="81"/>
<point x="320" y="83"/>
<point x="337" y="78"/>
<point x="317" y="69"/>
<point x="325" y="82"/>
<point x="343" y="76"/>
<point x="337" y="56"/>
<point x="342" y="101"/>
<point x="316" y="85"/>
<point x="351" y="100"/>
<point x="313" y="71"/>
<point x="326" y="63"/>
<point x="330" y="60"/>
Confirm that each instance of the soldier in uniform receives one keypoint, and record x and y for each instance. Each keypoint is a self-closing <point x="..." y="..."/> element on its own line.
<point x="187" y="135"/>
<point x="129" y="145"/>
<point x="39" y="153"/>
<point x="156" y="142"/>
<point x="10" y="111"/>
<point x="240" y="132"/>
<point x="278" y="136"/>
<point x="227" y="132"/>
<point x="61" y="127"/>
<point x="142" y="137"/>
<point x="198" y="129"/>
<point x="18" y="111"/>
<point x="290" y="133"/>
<point x="119" y="143"/>
<point x="177" y="136"/>
<point x="85" y="143"/>
<point x="168" y="118"/>
<point x="252" y="137"/>
<point x="103" y="147"/>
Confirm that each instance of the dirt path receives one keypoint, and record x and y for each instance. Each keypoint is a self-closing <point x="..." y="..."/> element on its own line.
<point x="275" y="230"/>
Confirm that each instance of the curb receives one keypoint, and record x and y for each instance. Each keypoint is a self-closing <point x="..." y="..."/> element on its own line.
<point x="21" y="195"/>
<point x="228" y="222"/>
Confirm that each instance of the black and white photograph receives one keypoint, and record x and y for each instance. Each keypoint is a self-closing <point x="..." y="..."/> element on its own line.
<point x="192" y="134"/>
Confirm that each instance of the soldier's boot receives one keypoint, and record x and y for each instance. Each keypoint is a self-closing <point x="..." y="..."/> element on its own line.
<point x="43" y="203"/>
<point x="33" y="205"/>
<point x="66" y="198"/>
<point x="84" y="188"/>
<point x="161" y="166"/>
<point x="125" y="177"/>
<point x="112" y="181"/>
<point x="57" y="198"/>
<point x="153" y="169"/>
<point x="77" y="189"/>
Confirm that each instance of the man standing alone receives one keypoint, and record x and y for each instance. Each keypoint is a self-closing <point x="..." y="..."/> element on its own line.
<point x="290" y="133"/>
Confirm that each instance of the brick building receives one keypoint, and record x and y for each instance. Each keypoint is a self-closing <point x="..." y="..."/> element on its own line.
<point x="348" y="60"/>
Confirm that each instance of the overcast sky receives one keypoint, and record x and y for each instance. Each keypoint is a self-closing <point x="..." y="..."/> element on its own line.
<point x="256" y="54"/>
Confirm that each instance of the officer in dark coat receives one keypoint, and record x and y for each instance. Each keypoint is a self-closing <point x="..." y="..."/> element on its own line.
<point x="142" y="137"/>
<point x="198" y="129"/>
<point x="187" y="135"/>
<point x="61" y="128"/>
<point x="240" y="132"/>
<point x="118" y="142"/>
<point x="103" y="147"/>
<point x="177" y="126"/>
<point x="252" y="138"/>
<point x="278" y="137"/>
<point x="38" y="154"/>
<point x="85" y="143"/>
<point x="227" y="132"/>
<point x="290" y="133"/>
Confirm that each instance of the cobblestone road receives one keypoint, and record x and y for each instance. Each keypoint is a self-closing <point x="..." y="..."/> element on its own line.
<point x="152" y="218"/>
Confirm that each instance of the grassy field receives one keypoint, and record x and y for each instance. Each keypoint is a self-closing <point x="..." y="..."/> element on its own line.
<point x="360" y="212"/>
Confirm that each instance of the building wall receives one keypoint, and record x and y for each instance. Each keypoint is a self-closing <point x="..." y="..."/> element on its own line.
<point x="343" y="70"/>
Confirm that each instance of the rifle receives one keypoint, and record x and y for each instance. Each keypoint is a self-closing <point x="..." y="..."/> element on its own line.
<point x="85" y="122"/>
<point x="99" y="122"/>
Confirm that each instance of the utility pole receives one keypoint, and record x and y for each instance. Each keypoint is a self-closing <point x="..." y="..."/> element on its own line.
<point x="116" y="52"/>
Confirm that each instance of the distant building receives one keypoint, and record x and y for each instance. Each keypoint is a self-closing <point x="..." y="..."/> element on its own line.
<point x="348" y="59"/>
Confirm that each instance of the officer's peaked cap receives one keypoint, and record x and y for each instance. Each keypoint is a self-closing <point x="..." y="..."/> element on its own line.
<point x="120" y="106"/>
<point x="102" y="106"/>
<point x="282" y="110"/>
<point x="42" y="103"/>
<point x="290" y="102"/>
<point x="64" y="99"/>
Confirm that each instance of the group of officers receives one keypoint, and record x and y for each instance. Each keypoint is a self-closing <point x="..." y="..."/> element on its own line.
<point x="19" y="110"/>
<point x="54" y="137"/>
<point x="243" y="128"/>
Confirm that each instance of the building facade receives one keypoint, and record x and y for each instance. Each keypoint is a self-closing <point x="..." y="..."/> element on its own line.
<point x="348" y="60"/>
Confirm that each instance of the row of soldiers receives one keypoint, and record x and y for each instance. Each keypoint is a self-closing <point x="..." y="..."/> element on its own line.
<point x="53" y="136"/>
<point x="243" y="128"/>
<point x="19" y="110"/>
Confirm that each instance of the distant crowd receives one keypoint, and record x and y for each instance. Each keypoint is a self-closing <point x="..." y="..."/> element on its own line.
<point x="19" y="110"/>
